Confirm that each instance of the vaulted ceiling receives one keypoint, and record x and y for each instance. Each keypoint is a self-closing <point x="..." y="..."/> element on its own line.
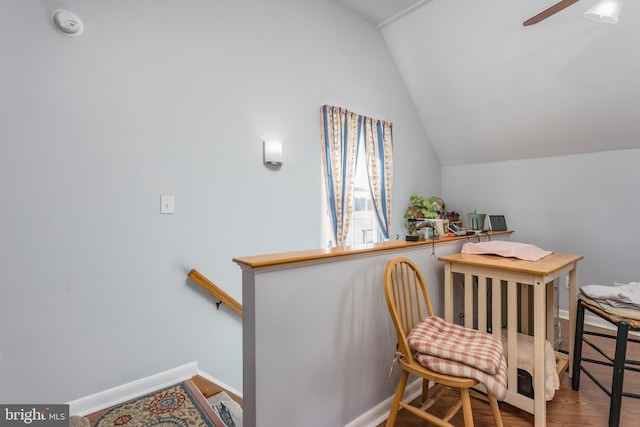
<point x="489" y="89"/>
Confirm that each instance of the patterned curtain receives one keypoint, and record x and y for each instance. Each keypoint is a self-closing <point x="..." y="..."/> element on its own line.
<point x="340" y="133"/>
<point x="339" y="142"/>
<point x="378" y="140"/>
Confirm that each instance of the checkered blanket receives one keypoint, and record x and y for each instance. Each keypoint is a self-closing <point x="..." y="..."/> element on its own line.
<point x="452" y="349"/>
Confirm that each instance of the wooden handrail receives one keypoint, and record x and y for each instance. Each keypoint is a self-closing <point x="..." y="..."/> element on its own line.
<point x="222" y="296"/>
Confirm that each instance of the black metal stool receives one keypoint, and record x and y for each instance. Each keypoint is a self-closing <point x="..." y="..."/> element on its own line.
<point x="619" y="362"/>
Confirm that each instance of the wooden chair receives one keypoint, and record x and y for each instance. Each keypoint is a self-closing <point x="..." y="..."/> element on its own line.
<point x="408" y="301"/>
<point x="619" y="362"/>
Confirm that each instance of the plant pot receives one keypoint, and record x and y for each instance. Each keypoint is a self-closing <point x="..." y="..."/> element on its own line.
<point x="476" y="221"/>
<point x="413" y="227"/>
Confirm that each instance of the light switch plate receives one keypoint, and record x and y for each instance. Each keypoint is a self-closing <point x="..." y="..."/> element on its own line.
<point x="167" y="204"/>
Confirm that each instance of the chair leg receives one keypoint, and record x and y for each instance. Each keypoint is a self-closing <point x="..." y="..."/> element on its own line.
<point x="577" y="347"/>
<point x="395" y="405"/>
<point x="618" y="374"/>
<point x="425" y="391"/>
<point x="466" y="407"/>
<point x="495" y="410"/>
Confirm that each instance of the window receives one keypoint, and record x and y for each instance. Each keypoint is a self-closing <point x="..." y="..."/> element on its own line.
<point x="364" y="225"/>
<point x="357" y="168"/>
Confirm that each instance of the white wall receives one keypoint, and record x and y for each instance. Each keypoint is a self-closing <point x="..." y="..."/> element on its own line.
<point x="166" y="97"/>
<point x="582" y="204"/>
<point x="318" y="335"/>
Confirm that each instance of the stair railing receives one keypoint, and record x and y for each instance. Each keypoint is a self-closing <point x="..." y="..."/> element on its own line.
<point x="223" y="297"/>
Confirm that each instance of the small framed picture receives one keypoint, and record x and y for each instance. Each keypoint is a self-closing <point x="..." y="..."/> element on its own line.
<point x="497" y="223"/>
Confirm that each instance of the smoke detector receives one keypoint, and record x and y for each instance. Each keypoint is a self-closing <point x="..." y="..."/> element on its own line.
<point x="67" y="23"/>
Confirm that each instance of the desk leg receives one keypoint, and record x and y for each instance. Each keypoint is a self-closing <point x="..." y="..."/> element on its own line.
<point x="448" y="292"/>
<point x="573" y="301"/>
<point x="539" y="335"/>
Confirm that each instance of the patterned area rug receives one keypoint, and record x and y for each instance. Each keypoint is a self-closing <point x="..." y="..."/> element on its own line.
<point x="181" y="405"/>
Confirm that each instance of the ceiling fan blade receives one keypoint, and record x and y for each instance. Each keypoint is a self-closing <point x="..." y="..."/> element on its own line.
<point x="549" y="12"/>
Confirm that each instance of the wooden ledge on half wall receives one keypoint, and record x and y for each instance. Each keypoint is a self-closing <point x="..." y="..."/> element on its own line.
<point x="271" y="260"/>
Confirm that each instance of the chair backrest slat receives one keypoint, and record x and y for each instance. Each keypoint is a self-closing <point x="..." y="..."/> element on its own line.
<point x="407" y="298"/>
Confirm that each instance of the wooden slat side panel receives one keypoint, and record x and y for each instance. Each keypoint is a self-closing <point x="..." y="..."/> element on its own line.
<point x="482" y="303"/>
<point x="468" y="300"/>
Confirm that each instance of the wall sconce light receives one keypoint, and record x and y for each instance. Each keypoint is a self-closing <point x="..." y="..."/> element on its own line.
<point x="605" y="11"/>
<point x="272" y="153"/>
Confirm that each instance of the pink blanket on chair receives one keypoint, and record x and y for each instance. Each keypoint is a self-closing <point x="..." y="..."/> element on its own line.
<point x="452" y="349"/>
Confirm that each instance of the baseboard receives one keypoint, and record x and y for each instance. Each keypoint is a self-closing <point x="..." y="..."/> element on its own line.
<point x="116" y="395"/>
<point x="588" y="320"/>
<point x="592" y="320"/>
<point x="380" y="412"/>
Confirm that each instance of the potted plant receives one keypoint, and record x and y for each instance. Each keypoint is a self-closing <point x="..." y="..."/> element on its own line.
<point x="422" y="208"/>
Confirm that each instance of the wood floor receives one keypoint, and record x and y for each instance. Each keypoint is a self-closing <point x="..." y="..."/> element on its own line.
<point x="587" y="407"/>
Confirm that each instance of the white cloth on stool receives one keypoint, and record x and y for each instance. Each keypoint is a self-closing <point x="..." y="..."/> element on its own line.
<point x="629" y="313"/>
<point x="625" y="295"/>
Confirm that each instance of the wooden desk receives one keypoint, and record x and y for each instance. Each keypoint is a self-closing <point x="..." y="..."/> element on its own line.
<point x="491" y="270"/>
